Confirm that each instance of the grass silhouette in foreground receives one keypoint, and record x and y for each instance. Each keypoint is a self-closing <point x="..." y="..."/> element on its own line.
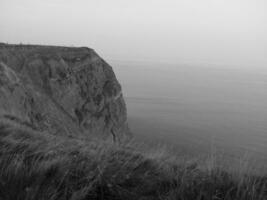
<point x="41" y="166"/>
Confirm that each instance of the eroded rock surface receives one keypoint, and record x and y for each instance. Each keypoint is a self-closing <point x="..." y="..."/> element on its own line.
<point x="63" y="90"/>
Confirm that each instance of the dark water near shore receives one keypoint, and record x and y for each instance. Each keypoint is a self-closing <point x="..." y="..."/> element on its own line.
<point x="197" y="107"/>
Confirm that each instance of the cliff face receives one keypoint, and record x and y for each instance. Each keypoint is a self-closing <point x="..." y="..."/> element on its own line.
<point x="63" y="90"/>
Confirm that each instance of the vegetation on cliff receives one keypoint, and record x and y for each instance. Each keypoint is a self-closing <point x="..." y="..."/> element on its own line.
<point x="38" y="165"/>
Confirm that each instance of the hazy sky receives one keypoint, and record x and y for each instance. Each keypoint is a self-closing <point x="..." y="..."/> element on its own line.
<point x="195" y="31"/>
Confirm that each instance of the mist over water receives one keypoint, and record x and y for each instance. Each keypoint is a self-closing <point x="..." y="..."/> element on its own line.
<point x="197" y="107"/>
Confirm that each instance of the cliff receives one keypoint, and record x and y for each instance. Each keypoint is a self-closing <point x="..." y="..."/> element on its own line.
<point x="63" y="90"/>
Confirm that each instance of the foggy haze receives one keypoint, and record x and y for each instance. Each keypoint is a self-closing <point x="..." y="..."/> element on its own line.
<point x="227" y="32"/>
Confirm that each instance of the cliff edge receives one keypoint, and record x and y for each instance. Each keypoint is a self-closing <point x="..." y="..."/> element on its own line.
<point x="64" y="90"/>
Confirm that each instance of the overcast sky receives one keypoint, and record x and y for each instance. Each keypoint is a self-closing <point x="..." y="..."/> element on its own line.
<point x="232" y="32"/>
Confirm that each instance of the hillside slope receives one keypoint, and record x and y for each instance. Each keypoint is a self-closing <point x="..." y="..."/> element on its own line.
<point x="43" y="166"/>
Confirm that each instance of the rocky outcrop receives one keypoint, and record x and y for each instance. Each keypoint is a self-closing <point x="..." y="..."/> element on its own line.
<point x="61" y="89"/>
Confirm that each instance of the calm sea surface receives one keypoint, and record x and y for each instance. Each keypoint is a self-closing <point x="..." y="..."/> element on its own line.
<point x="197" y="108"/>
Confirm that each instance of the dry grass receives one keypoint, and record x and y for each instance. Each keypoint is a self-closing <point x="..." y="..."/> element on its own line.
<point x="42" y="166"/>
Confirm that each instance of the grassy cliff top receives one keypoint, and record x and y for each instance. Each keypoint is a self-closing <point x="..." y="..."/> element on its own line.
<point x="35" y="165"/>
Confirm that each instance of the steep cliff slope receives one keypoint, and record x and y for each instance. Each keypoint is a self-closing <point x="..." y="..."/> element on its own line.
<point x="60" y="89"/>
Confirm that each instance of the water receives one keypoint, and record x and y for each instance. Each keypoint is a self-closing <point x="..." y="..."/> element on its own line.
<point x="197" y="108"/>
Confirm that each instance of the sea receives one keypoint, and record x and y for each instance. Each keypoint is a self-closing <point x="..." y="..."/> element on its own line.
<point x="197" y="108"/>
